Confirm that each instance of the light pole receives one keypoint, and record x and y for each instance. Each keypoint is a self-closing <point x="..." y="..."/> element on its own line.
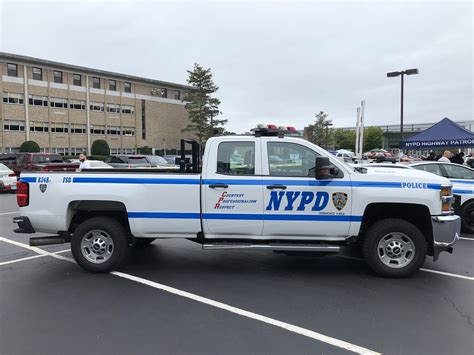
<point x="327" y="124"/>
<point x="402" y="74"/>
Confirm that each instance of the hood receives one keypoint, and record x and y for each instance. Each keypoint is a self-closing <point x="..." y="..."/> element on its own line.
<point x="400" y="174"/>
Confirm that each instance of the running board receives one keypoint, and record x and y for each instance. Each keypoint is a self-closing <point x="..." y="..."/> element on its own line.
<point x="282" y="247"/>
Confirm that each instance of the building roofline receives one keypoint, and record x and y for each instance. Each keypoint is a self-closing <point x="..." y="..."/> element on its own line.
<point x="80" y="69"/>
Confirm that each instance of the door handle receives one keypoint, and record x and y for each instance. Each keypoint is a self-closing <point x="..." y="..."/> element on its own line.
<point x="274" y="187"/>
<point x="218" y="186"/>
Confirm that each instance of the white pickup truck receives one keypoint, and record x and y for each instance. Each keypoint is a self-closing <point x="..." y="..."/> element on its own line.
<point x="262" y="191"/>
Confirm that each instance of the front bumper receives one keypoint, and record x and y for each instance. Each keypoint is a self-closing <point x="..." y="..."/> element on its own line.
<point x="446" y="232"/>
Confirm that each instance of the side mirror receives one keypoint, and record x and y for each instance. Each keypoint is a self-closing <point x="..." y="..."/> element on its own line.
<point x="322" y="168"/>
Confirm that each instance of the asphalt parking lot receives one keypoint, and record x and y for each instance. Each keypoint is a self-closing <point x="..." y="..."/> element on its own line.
<point x="174" y="298"/>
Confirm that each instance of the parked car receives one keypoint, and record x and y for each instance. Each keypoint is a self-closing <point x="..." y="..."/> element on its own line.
<point x="160" y="163"/>
<point x="124" y="161"/>
<point x="7" y="179"/>
<point x="462" y="178"/>
<point x="42" y="162"/>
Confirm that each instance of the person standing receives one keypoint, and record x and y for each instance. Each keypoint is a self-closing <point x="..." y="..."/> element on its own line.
<point x="85" y="164"/>
<point x="458" y="158"/>
<point x="446" y="156"/>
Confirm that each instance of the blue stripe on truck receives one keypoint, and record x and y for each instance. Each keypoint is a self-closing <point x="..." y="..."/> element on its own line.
<point x="247" y="216"/>
<point x="148" y="181"/>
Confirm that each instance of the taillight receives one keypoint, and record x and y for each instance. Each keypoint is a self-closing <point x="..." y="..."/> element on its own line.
<point x="22" y="193"/>
<point x="12" y="174"/>
<point x="45" y="168"/>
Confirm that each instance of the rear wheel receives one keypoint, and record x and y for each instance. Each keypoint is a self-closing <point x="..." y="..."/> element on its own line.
<point x="467" y="217"/>
<point x="394" y="248"/>
<point x="100" y="244"/>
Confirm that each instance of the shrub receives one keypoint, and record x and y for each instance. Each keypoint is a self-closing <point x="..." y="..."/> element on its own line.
<point x="29" y="147"/>
<point x="100" y="147"/>
<point x="146" y="150"/>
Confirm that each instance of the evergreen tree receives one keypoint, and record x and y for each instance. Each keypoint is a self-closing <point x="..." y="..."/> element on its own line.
<point x="202" y="108"/>
<point x="100" y="147"/>
<point x="29" y="147"/>
<point x="320" y="134"/>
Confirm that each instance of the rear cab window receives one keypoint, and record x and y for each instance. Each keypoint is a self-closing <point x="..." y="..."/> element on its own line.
<point x="236" y="158"/>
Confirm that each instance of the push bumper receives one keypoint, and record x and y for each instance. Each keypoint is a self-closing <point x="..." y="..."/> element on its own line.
<point x="446" y="232"/>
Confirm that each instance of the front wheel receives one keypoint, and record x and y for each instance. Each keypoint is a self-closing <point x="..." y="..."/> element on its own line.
<point x="467" y="217"/>
<point x="394" y="248"/>
<point x="100" y="244"/>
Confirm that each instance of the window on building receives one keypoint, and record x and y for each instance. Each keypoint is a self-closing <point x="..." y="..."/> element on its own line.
<point x="127" y="87"/>
<point x="37" y="73"/>
<point x="113" y="130"/>
<point x="115" y="151"/>
<point x="58" y="76"/>
<point x="164" y="92"/>
<point x="77" y="104"/>
<point x="128" y="131"/>
<point x="112" y="85"/>
<point x="58" y="102"/>
<point x="97" y="129"/>
<point x="12" y="69"/>
<point x="177" y="95"/>
<point x="77" y="79"/>
<point x="97" y="106"/>
<point x="36" y="126"/>
<point x="77" y="151"/>
<point x="143" y="120"/>
<point x="236" y="158"/>
<point x="62" y="151"/>
<point x="78" y="128"/>
<point x="13" y="125"/>
<point x="37" y="100"/>
<point x="96" y="82"/>
<point x="13" y="98"/>
<point x="114" y="108"/>
<point x="57" y="127"/>
<point x="128" y="109"/>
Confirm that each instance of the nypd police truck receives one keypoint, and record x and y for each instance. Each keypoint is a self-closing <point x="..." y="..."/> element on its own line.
<point x="265" y="191"/>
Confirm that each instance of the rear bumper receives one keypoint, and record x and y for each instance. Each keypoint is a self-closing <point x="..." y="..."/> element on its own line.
<point x="24" y="225"/>
<point x="446" y="232"/>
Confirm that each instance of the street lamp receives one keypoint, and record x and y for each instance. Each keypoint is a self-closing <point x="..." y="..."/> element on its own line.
<point x="327" y="124"/>
<point x="402" y="74"/>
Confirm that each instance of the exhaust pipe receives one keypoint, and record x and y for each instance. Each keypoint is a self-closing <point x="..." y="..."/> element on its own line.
<point x="36" y="242"/>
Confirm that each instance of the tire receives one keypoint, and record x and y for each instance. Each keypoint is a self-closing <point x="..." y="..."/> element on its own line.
<point x="394" y="248"/>
<point x="143" y="242"/>
<point x="467" y="217"/>
<point x="100" y="244"/>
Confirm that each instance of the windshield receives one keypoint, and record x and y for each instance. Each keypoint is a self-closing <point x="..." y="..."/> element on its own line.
<point x="156" y="159"/>
<point x="137" y="160"/>
<point x="41" y="159"/>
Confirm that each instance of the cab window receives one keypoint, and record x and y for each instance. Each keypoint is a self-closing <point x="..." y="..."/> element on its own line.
<point x="290" y="159"/>
<point x="458" y="172"/>
<point x="431" y="168"/>
<point x="236" y="158"/>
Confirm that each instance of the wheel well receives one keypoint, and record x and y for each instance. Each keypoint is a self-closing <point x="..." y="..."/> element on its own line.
<point x="418" y="215"/>
<point x="79" y="211"/>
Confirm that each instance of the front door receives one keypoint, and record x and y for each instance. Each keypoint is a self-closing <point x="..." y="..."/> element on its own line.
<point x="232" y="190"/>
<point x="295" y="203"/>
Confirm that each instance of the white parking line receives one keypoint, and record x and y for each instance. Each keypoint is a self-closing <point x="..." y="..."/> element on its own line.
<point x="421" y="269"/>
<point x="31" y="257"/>
<point x="448" y="274"/>
<point x="286" y="326"/>
<point x="5" y="213"/>
<point x="463" y="238"/>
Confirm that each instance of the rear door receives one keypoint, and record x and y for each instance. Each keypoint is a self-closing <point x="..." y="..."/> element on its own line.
<point x="295" y="203"/>
<point x="232" y="189"/>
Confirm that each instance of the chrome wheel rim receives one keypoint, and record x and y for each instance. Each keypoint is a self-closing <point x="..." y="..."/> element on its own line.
<point x="97" y="246"/>
<point x="396" y="250"/>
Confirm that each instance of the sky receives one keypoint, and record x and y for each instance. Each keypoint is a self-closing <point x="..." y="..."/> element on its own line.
<point x="275" y="62"/>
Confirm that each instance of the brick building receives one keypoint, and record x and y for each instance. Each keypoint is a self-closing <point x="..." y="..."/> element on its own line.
<point x="65" y="108"/>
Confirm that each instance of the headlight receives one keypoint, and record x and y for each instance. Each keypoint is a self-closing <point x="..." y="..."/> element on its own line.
<point x="446" y="199"/>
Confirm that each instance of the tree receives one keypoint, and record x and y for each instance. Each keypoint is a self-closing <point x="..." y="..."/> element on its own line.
<point x="100" y="147"/>
<point x="373" y="138"/>
<point x="202" y="108"/>
<point x="344" y="139"/>
<point x="29" y="147"/>
<point x="319" y="132"/>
